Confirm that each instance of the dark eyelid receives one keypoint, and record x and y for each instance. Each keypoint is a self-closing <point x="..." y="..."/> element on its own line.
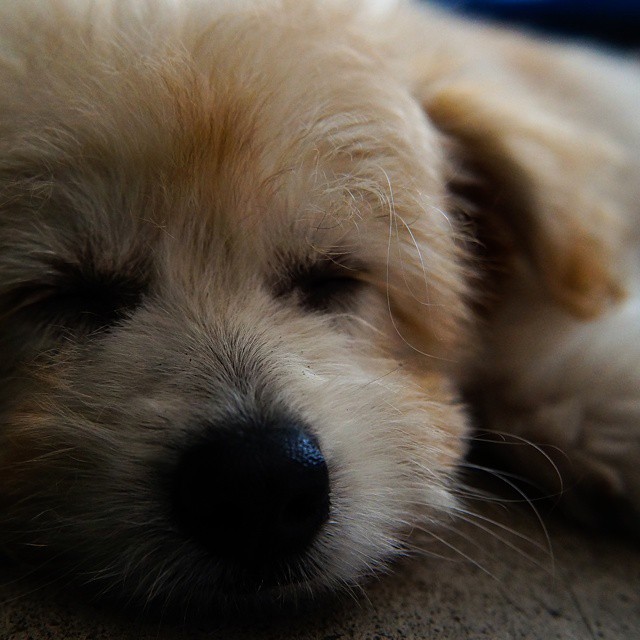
<point x="325" y="283"/>
<point x="74" y="294"/>
<point x="294" y="270"/>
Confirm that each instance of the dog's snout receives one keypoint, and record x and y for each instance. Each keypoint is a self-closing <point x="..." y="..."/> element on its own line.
<point x="253" y="495"/>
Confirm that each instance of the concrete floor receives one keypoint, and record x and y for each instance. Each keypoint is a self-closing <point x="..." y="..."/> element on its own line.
<point x="587" y="586"/>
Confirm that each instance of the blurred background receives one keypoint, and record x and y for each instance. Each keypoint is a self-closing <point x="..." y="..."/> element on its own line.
<point x="614" y="22"/>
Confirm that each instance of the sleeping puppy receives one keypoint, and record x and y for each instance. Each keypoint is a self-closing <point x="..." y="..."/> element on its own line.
<point x="253" y="256"/>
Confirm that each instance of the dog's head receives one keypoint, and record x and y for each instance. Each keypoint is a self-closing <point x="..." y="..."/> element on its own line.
<point x="231" y="299"/>
<point x="225" y="249"/>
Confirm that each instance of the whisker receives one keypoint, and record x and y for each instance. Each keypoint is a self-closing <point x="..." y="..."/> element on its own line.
<point x="505" y="541"/>
<point x="508" y="438"/>
<point x="459" y="551"/>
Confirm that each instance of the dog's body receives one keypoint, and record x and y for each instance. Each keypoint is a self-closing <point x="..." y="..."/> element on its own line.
<point x="224" y="220"/>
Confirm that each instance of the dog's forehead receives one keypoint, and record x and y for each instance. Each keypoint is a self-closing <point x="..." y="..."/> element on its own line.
<point x="258" y="128"/>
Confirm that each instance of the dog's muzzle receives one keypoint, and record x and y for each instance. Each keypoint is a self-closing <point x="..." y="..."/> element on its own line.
<point x="254" y="497"/>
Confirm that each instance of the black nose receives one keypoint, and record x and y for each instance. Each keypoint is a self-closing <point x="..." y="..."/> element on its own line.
<point x="253" y="495"/>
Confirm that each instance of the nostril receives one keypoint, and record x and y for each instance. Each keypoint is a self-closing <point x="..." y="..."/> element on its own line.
<point x="253" y="495"/>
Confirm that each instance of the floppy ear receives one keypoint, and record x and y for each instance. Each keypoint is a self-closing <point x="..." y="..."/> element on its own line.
<point x="546" y="183"/>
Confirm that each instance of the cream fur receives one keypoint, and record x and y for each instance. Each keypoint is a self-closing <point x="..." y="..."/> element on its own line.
<point x="202" y="151"/>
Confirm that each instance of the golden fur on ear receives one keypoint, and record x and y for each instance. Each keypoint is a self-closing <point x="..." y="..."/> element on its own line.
<point x="547" y="180"/>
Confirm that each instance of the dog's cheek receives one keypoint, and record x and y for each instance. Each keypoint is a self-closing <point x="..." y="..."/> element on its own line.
<point x="393" y="441"/>
<point x="75" y="503"/>
<point x="60" y="473"/>
<point x="441" y="403"/>
<point x="437" y="436"/>
<point x="31" y="484"/>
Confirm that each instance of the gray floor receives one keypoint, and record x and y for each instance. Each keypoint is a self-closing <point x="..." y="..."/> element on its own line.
<point x="587" y="586"/>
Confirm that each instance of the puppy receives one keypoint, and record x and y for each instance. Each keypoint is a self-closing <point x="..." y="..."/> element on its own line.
<point x="253" y="256"/>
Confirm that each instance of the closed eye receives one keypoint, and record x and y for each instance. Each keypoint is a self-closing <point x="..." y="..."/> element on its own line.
<point x="324" y="286"/>
<point x="77" y="298"/>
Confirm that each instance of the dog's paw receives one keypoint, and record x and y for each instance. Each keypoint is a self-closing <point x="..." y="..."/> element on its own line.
<point x="584" y="451"/>
<point x="566" y="395"/>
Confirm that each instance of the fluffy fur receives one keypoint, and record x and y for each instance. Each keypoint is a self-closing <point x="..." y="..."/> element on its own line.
<point x="348" y="213"/>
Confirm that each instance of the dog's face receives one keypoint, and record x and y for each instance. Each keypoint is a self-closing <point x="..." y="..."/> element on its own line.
<point x="230" y="294"/>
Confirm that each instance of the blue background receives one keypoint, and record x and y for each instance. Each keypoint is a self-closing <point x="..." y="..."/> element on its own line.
<point x="612" y="21"/>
